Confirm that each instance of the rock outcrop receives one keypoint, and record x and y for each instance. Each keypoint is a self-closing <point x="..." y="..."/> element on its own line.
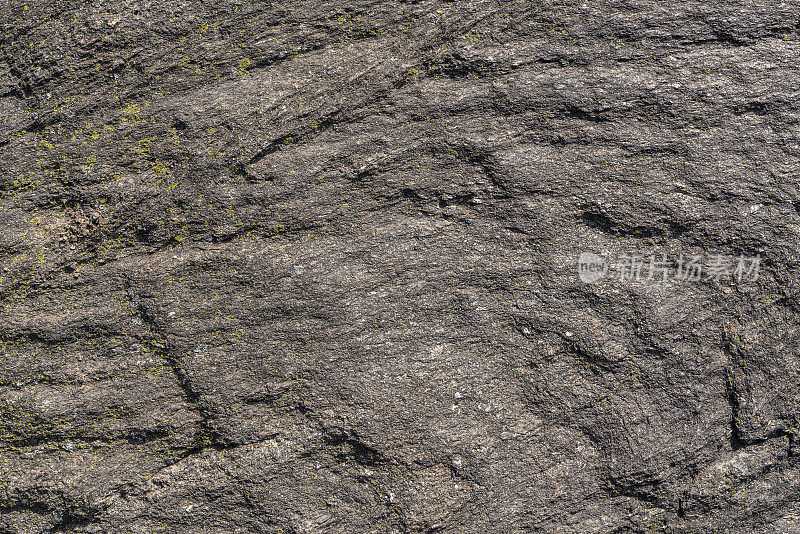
<point x="313" y="267"/>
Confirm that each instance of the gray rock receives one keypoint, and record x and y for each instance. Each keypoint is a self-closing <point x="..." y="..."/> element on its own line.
<point x="313" y="267"/>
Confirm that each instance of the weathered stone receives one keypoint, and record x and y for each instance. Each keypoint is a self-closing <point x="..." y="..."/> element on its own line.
<point x="312" y="267"/>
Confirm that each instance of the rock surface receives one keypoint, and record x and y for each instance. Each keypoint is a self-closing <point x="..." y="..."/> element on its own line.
<point x="311" y="267"/>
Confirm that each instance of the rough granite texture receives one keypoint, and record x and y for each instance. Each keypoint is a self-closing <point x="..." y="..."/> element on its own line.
<point x="311" y="267"/>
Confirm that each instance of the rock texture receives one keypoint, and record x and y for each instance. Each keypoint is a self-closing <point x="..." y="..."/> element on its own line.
<point x="311" y="267"/>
